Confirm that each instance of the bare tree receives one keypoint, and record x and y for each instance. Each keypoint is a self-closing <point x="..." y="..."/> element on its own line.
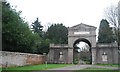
<point x="119" y="14"/>
<point x="118" y="25"/>
<point x="113" y="15"/>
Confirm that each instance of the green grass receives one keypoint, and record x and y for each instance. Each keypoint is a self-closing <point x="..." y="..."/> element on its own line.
<point x="112" y="65"/>
<point x="38" y="67"/>
<point x="0" y="69"/>
<point x="93" y="69"/>
<point x="96" y="71"/>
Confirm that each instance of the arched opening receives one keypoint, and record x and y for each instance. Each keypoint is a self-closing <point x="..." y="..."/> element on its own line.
<point x="82" y="52"/>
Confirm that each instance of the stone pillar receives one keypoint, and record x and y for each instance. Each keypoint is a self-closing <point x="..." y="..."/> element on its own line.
<point x="50" y="56"/>
<point x="70" y="55"/>
<point x="93" y="55"/>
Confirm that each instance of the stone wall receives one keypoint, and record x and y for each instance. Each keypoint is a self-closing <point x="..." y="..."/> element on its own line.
<point x="11" y="59"/>
<point x="102" y="54"/>
<point x="58" y="53"/>
<point x="107" y="54"/>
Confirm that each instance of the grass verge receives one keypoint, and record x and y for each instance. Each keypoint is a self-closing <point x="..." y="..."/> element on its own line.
<point x="112" y="65"/>
<point x="38" y="67"/>
<point x="93" y="69"/>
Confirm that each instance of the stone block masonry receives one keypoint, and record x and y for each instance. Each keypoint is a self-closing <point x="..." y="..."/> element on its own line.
<point x="107" y="54"/>
<point x="11" y="59"/>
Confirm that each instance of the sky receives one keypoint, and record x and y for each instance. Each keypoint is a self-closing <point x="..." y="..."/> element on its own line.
<point x="82" y="46"/>
<point x="68" y="12"/>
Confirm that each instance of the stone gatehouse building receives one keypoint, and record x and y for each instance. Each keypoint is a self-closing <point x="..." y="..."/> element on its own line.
<point x="98" y="53"/>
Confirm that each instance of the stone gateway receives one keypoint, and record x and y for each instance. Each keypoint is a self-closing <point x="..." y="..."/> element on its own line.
<point x="97" y="53"/>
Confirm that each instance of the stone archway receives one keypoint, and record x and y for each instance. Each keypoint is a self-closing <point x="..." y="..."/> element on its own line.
<point x="62" y="53"/>
<point x="85" y="33"/>
<point x="82" y="31"/>
<point x="82" y="54"/>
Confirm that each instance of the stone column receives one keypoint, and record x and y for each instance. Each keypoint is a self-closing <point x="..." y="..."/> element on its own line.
<point x="70" y="55"/>
<point x="93" y="55"/>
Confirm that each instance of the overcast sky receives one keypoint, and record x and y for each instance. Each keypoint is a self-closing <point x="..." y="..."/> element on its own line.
<point x="68" y="12"/>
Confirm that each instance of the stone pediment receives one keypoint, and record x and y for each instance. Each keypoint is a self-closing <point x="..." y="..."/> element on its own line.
<point x="82" y="26"/>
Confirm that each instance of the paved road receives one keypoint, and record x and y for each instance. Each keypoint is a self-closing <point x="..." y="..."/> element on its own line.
<point x="76" y="67"/>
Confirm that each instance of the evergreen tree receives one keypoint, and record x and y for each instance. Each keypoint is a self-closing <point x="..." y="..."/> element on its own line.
<point x="105" y="32"/>
<point x="37" y="27"/>
<point x="16" y="35"/>
<point x="43" y="47"/>
<point x="58" y="34"/>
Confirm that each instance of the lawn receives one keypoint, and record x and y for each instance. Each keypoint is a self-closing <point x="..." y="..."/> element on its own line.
<point x="93" y="69"/>
<point x="112" y="65"/>
<point x="38" y="67"/>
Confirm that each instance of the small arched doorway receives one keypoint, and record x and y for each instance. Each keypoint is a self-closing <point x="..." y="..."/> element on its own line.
<point x="82" y="52"/>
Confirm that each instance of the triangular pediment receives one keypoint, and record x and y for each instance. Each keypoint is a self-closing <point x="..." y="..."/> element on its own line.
<point x="83" y="26"/>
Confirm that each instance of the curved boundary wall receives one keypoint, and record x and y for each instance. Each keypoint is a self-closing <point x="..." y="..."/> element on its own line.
<point x="11" y="59"/>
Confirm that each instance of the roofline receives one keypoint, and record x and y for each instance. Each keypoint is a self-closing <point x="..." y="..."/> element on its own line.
<point x="83" y="24"/>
